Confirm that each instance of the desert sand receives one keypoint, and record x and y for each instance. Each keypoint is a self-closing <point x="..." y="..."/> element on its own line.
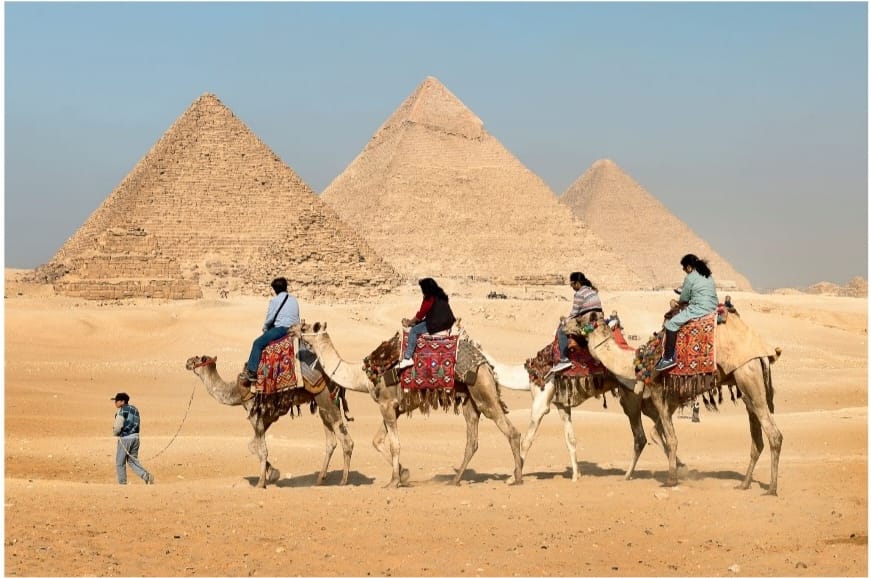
<point x="66" y="514"/>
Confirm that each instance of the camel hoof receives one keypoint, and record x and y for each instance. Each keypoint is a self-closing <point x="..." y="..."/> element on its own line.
<point x="770" y="493"/>
<point x="670" y="483"/>
<point x="404" y="476"/>
<point x="344" y="481"/>
<point x="321" y="481"/>
<point x="273" y="476"/>
<point x="515" y="482"/>
<point x="391" y="484"/>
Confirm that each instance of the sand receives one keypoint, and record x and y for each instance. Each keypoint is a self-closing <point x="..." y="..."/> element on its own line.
<point x="66" y="514"/>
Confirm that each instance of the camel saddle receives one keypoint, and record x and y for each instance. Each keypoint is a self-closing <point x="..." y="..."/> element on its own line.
<point x="583" y="364"/>
<point x="280" y="369"/>
<point x="439" y="362"/>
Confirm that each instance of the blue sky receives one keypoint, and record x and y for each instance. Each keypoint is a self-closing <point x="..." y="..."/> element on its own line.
<point x="749" y="121"/>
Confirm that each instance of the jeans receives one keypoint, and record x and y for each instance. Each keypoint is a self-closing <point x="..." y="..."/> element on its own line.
<point x="128" y="452"/>
<point x="413" y="333"/>
<point x="563" y="341"/>
<point x="261" y="342"/>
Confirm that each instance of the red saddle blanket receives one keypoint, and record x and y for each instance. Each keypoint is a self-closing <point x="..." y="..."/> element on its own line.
<point x="435" y="357"/>
<point x="694" y="350"/>
<point x="583" y="364"/>
<point x="275" y="371"/>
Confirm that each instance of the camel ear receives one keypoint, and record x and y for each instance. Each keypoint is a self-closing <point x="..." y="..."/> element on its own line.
<point x="316" y="327"/>
<point x="324" y="327"/>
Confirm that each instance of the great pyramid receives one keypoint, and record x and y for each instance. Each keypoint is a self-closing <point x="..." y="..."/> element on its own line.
<point x="211" y="209"/>
<point x="648" y="235"/>
<point x="436" y="195"/>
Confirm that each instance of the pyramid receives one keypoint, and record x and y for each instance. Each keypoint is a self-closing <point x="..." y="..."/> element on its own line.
<point x="436" y="195"/>
<point x="210" y="208"/>
<point x="652" y="239"/>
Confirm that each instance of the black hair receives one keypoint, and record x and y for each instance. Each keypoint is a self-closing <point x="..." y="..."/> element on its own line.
<point x="279" y="284"/>
<point x="699" y="265"/>
<point x="582" y="279"/>
<point x="431" y="289"/>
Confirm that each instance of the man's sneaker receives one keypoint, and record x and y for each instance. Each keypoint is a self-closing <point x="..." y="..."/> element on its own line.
<point x="665" y="363"/>
<point x="250" y="375"/>
<point x="562" y="365"/>
<point x="149" y="479"/>
<point x="405" y="363"/>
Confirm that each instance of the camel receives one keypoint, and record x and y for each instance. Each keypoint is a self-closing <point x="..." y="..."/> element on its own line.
<point x="633" y="406"/>
<point x="743" y="361"/>
<point x="480" y="396"/>
<point x="262" y="413"/>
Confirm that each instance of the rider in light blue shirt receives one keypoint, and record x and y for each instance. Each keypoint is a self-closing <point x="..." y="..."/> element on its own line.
<point x="281" y="315"/>
<point x="699" y="293"/>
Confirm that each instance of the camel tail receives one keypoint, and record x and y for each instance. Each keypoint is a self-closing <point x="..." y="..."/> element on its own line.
<point x="769" y="384"/>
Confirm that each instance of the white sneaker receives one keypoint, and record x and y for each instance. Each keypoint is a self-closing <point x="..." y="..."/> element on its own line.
<point x="405" y="363"/>
<point x="562" y="365"/>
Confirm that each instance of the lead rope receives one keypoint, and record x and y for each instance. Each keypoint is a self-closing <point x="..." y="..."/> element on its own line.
<point x="183" y="419"/>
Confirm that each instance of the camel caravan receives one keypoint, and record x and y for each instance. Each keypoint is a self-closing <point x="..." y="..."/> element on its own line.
<point x="416" y="370"/>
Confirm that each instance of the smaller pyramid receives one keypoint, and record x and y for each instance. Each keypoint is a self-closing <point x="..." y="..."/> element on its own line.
<point x="211" y="209"/>
<point x="649" y="236"/>
<point x="436" y="195"/>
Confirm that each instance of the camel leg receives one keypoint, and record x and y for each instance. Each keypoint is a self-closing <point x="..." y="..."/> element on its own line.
<point x="389" y="414"/>
<point x="565" y="414"/>
<point x="631" y="404"/>
<point x="751" y="379"/>
<point x="486" y="398"/>
<point x="540" y="407"/>
<point x="669" y="435"/>
<point x="472" y="417"/>
<point x="649" y="409"/>
<point x="258" y="446"/>
<point x="380" y="444"/>
<point x="334" y="428"/>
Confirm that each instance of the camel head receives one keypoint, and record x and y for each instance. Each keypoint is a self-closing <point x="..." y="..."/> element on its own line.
<point x="199" y="361"/>
<point x="313" y="334"/>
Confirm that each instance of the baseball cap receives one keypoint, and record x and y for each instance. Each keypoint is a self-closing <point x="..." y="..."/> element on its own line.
<point x="120" y="397"/>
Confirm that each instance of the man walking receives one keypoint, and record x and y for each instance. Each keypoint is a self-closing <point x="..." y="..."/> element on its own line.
<point x="126" y="427"/>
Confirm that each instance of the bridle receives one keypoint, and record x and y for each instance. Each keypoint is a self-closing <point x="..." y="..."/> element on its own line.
<point x="202" y="363"/>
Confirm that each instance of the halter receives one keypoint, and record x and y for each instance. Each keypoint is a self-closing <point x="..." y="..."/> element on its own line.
<point x="209" y="361"/>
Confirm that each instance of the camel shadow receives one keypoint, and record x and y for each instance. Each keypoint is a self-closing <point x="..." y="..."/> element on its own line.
<point x="310" y="480"/>
<point x="584" y="469"/>
<point x="469" y="476"/>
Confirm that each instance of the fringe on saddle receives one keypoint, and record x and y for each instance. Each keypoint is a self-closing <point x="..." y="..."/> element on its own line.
<point x="380" y="368"/>
<point x="586" y="379"/>
<point x="284" y="401"/>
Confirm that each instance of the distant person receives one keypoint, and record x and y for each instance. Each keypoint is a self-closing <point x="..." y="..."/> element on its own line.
<point x="126" y="428"/>
<point x="698" y="297"/>
<point x="613" y="321"/>
<point x="586" y="300"/>
<point x="434" y="315"/>
<point x="281" y="314"/>
<point x="727" y="303"/>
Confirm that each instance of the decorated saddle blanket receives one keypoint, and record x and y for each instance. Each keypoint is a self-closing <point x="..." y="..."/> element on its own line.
<point x="435" y="359"/>
<point x="432" y="362"/>
<point x="583" y="364"/>
<point x="276" y="372"/>
<point x="695" y="353"/>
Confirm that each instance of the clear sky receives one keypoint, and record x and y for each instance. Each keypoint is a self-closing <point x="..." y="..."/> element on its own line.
<point x="749" y="121"/>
